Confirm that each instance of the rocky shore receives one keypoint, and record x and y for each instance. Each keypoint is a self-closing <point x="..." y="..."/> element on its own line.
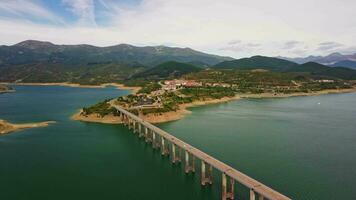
<point x="7" y="127"/>
<point x="117" y="85"/>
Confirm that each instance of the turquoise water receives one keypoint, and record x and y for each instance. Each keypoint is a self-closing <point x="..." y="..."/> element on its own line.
<point x="303" y="147"/>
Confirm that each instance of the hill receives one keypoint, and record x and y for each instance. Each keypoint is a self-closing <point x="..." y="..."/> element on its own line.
<point x="345" y="63"/>
<point x="257" y="62"/>
<point x="319" y="70"/>
<point x="91" y="74"/>
<point x="171" y="69"/>
<point x="279" y="65"/>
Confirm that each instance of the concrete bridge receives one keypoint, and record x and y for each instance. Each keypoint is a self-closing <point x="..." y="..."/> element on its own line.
<point x="175" y="147"/>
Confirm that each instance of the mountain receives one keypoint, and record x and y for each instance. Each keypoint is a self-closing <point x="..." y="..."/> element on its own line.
<point x="92" y="74"/>
<point x="38" y="61"/>
<point x="325" y="60"/>
<point x="279" y="65"/>
<point x="320" y="71"/>
<point x="171" y="69"/>
<point x="257" y="62"/>
<point x="345" y="63"/>
<point x="34" y="52"/>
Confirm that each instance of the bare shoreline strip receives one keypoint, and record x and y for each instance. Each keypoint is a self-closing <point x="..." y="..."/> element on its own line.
<point x="183" y="108"/>
<point x="6" y="127"/>
<point x="66" y="84"/>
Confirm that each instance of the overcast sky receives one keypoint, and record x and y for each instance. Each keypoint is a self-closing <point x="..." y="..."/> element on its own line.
<point x="235" y="28"/>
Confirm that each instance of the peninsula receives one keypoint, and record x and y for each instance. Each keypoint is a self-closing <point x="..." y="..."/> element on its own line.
<point x="168" y="99"/>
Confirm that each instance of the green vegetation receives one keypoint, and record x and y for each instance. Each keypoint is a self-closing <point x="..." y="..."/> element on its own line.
<point x="91" y="74"/>
<point x="36" y="61"/>
<point x="315" y="70"/>
<point x="202" y="93"/>
<point x="318" y="70"/>
<point x="150" y="87"/>
<point x="257" y="62"/>
<point x="101" y="108"/>
<point x="216" y="84"/>
<point x="167" y="70"/>
<point x="263" y="81"/>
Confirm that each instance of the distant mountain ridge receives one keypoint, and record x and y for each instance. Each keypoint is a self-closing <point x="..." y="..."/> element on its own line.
<point x="254" y="62"/>
<point x="345" y="63"/>
<point x="32" y="51"/>
<point x="330" y="59"/>
<point x="279" y="65"/>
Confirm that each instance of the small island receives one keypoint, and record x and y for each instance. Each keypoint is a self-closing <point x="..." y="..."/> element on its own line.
<point x="6" y="127"/>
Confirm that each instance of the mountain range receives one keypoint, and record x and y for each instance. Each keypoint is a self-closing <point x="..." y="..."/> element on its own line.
<point x="31" y="51"/>
<point x="314" y="69"/>
<point x="334" y="60"/>
<point x="37" y="61"/>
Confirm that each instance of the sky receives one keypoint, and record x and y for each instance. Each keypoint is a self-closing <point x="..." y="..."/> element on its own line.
<point x="236" y="28"/>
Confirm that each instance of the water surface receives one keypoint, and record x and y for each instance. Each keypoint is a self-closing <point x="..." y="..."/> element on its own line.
<point x="303" y="147"/>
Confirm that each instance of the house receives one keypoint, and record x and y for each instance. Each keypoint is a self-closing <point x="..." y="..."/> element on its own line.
<point x="192" y="83"/>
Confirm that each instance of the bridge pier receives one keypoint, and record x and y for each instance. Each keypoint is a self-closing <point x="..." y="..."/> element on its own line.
<point x="228" y="190"/>
<point x="252" y="195"/>
<point x="260" y="197"/>
<point x="129" y="122"/>
<point x="146" y="133"/>
<point x="154" y="140"/>
<point x="148" y="137"/>
<point x="175" y="157"/>
<point x="121" y="116"/>
<point x="134" y="126"/>
<point x="164" y="147"/>
<point x="126" y="120"/>
<point x="189" y="166"/>
<point x="206" y="176"/>
<point x="140" y="133"/>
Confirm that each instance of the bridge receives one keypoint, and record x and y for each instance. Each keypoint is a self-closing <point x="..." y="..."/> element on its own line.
<point x="173" y="146"/>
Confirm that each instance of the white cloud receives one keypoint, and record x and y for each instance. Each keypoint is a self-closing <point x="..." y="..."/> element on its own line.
<point x="27" y="8"/>
<point x="83" y="9"/>
<point x="247" y="27"/>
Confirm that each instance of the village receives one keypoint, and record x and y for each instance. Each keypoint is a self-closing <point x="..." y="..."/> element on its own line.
<point x="156" y="98"/>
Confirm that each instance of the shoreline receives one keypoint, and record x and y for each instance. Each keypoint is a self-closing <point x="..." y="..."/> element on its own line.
<point x="94" y="118"/>
<point x="7" y="91"/>
<point x="7" y="127"/>
<point x="67" y="84"/>
<point x="183" y="108"/>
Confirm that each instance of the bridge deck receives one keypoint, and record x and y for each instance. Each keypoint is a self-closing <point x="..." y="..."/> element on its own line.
<point x="231" y="172"/>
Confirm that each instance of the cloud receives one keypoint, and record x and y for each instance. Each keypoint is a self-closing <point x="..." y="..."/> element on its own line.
<point x="327" y="46"/>
<point x="234" y="42"/>
<point x="291" y="44"/>
<point x="238" y="46"/>
<point x="26" y="9"/>
<point x="261" y="27"/>
<point x="83" y="9"/>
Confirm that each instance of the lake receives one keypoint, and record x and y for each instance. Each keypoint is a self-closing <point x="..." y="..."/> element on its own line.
<point x="304" y="147"/>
